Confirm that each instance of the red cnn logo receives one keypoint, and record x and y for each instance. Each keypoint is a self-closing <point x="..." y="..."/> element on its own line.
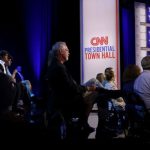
<point x="95" y="41"/>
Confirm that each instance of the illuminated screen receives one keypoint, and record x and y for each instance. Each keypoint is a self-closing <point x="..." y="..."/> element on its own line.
<point x="99" y="25"/>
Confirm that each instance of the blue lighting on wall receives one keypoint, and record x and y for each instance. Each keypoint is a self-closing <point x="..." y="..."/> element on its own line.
<point x="37" y="15"/>
<point x="125" y="35"/>
<point x="128" y="36"/>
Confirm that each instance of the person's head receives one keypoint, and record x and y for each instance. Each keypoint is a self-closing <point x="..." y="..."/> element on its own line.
<point x="131" y="72"/>
<point x="9" y="61"/>
<point x="100" y="77"/>
<point x="109" y="74"/>
<point x="4" y="55"/>
<point x="107" y="70"/>
<point x="145" y="62"/>
<point x="60" y="51"/>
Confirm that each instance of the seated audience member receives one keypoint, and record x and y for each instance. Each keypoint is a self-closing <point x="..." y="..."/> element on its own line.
<point x="129" y="75"/>
<point x="98" y="81"/>
<point x="142" y="82"/>
<point x="107" y="70"/>
<point x="8" y="93"/>
<point x="5" y="63"/>
<point x="134" y="104"/>
<point x="111" y="85"/>
<point x="4" y="57"/>
<point x="142" y="87"/>
<point x="7" y="98"/>
<point x="65" y="95"/>
<point x="101" y="78"/>
<point x="111" y="110"/>
<point x="8" y="63"/>
<point x="22" y="94"/>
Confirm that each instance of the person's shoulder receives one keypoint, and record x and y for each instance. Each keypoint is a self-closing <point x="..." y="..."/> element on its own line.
<point x="108" y="86"/>
<point x="90" y="82"/>
<point x="93" y="80"/>
<point x="56" y="65"/>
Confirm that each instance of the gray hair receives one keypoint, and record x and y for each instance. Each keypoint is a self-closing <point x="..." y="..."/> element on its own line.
<point x="53" y="53"/>
<point x="146" y="63"/>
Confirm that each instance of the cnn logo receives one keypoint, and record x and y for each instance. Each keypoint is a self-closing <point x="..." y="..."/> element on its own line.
<point x="95" y="41"/>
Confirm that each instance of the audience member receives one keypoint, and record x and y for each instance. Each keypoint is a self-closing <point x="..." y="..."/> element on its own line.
<point x="107" y="70"/>
<point x="5" y="63"/>
<point x="66" y="96"/>
<point x="134" y="104"/>
<point x="101" y="78"/>
<point x="129" y="75"/>
<point x="6" y="81"/>
<point x="98" y="81"/>
<point x="142" y="82"/>
<point x="8" y="94"/>
<point x="4" y="57"/>
<point x="21" y="101"/>
<point x="142" y="88"/>
<point x="111" y="110"/>
<point x="111" y="85"/>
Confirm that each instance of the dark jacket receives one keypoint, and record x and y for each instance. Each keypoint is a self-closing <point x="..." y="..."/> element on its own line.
<point x="65" y="93"/>
<point x="1" y="68"/>
<point x="7" y="92"/>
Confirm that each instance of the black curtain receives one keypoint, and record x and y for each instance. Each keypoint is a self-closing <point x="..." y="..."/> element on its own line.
<point x="66" y="27"/>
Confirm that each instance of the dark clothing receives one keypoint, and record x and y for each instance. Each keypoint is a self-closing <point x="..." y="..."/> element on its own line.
<point x="105" y="94"/>
<point x="108" y="119"/>
<point x="7" y="92"/>
<point x="65" y="94"/>
<point x="129" y="95"/>
<point x="1" y="68"/>
<point x="128" y="87"/>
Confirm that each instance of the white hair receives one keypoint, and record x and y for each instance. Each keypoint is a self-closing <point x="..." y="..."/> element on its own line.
<point x="53" y="53"/>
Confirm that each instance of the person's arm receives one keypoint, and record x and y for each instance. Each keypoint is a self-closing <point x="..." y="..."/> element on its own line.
<point x="107" y="94"/>
<point x="67" y="82"/>
<point x="14" y="75"/>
